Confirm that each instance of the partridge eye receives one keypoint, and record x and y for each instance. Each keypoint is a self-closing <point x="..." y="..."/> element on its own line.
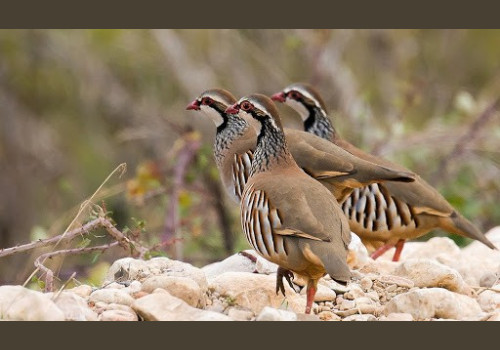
<point x="294" y="95"/>
<point x="206" y="101"/>
<point x="246" y="106"/>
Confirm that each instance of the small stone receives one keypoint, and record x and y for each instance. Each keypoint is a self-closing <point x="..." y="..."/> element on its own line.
<point x="133" y="288"/>
<point x="357" y="256"/>
<point x="235" y="263"/>
<point x="347" y="304"/>
<point x="139" y="294"/>
<point x="323" y="308"/>
<point x="489" y="300"/>
<point x="322" y="294"/>
<point x="99" y="306"/>
<point x="328" y="316"/>
<point x="180" y="287"/>
<point x="333" y="285"/>
<point x="364" y="301"/>
<point x="373" y="296"/>
<point x="74" y="307"/>
<point x="354" y="292"/>
<point x="217" y="306"/>
<point x="162" y="306"/>
<point x="118" y="307"/>
<point x="114" y="285"/>
<point x="360" y="318"/>
<point x="240" y="315"/>
<point x="397" y="316"/>
<point x="488" y="279"/>
<point x="272" y="314"/>
<point x="82" y="290"/>
<point x="307" y="317"/>
<point x="117" y="315"/>
<point x="366" y="283"/>
<point x="429" y="273"/>
<point x="111" y="296"/>
<point x="391" y="288"/>
<point x="397" y="280"/>
<point x="254" y="292"/>
<point x="138" y="269"/>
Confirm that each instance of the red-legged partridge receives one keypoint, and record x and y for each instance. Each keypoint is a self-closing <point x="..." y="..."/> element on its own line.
<point x="288" y="217"/>
<point x="382" y="215"/>
<point x="235" y="142"/>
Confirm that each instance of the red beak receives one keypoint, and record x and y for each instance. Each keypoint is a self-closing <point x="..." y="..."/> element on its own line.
<point x="195" y="105"/>
<point x="280" y="97"/>
<point x="234" y="109"/>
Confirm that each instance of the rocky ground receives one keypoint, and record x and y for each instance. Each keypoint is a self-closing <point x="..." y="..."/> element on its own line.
<point x="435" y="280"/>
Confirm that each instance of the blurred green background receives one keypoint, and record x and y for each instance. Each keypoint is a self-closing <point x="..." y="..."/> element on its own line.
<point x="74" y="104"/>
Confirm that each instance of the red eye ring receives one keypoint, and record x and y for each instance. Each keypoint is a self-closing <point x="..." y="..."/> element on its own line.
<point x="246" y="106"/>
<point x="294" y="95"/>
<point x="206" y="101"/>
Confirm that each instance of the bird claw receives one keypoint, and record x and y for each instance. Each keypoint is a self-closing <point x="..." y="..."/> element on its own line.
<point x="288" y="275"/>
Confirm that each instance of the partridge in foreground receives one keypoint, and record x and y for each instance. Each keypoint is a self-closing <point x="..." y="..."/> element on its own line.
<point x="235" y="142"/>
<point x="288" y="217"/>
<point x="382" y="215"/>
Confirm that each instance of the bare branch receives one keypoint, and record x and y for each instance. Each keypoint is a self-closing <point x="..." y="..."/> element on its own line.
<point x="46" y="242"/>
<point x="49" y="275"/>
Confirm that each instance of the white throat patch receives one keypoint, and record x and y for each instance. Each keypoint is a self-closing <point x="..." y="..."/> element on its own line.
<point x="298" y="107"/>
<point x="213" y="114"/>
<point x="254" y="123"/>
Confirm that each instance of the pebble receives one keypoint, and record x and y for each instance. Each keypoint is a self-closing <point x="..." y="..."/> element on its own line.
<point x="272" y="314"/>
<point x="360" y="318"/>
<point x="328" y="316"/>
<point x="397" y="316"/>
<point x="240" y="315"/>
<point x="180" y="287"/>
<point x="118" y="315"/>
<point x="109" y="296"/>
<point x="366" y="283"/>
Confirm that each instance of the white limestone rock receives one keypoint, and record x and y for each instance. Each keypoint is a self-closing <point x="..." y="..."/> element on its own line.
<point x="21" y="304"/>
<point x="433" y="303"/>
<point x="272" y="314"/>
<point x="162" y="306"/>
<point x="180" y="287"/>
<point x="254" y="291"/>
<point x="429" y="273"/>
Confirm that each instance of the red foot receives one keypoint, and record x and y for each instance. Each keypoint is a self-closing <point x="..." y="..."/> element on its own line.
<point x="399" y="248"/>
<point x="311" y="292"/>
<point x="380" y="251"/>
<point x="397" y="254"/>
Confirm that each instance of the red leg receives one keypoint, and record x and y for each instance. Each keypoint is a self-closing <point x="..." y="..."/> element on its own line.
<point x="311" y="292"/>
<point x="399" y="248"/>
<point x="380" y="251"/>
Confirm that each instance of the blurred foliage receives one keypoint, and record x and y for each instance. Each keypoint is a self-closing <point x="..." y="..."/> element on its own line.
<point x="76" y="103"/>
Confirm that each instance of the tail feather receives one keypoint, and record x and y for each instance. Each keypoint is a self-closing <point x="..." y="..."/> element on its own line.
<point x="462" y="226"/>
